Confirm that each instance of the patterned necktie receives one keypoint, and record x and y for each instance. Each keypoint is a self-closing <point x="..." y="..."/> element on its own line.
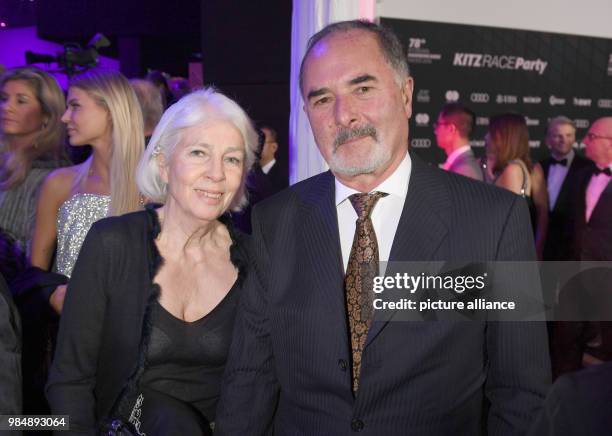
<point x="360" y="272"/>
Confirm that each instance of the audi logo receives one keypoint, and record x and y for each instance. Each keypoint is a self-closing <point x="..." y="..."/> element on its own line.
<point x="479" y="97"/>
<point x="451" y="95"/>
<point x="422" y="119"/>
<point x="582" y="124"/>
<point x="420" y="143"/>
<point x="604" y="103"/>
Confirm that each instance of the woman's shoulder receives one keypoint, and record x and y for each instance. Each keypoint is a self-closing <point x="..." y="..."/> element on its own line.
<point x="62" y="179"/>
<point x="129" y="223"/>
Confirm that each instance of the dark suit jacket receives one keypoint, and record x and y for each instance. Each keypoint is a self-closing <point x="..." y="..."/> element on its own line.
<point x="260" y="186"/>
<point x="593" y="242"/>
<point x="561" y="223"/>
<point x="578" y="404"/>
<point x="10" y="353"/>
<point x="594" y="238"/>
<point x="288" y="369"/>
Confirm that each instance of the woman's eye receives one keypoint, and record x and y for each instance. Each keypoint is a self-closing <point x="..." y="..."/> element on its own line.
<point x="234" y="160"/>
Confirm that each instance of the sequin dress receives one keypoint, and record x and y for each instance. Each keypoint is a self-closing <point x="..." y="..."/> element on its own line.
<point x="74" y="218"/>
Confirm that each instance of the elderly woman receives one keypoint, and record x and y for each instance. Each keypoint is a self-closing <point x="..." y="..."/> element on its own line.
<point x="150" y="306"/>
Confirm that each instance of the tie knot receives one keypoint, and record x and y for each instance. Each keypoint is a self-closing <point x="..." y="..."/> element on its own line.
<point x="364" y="203"/>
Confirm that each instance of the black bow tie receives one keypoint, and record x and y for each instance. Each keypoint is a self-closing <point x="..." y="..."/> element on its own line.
<point x="597" y="171"/>
<point x="562" y="162"/>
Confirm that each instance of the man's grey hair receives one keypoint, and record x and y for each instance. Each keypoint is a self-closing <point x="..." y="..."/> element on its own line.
<point x="560" y="120"/>
<point x="198" y="108"/>
<point x="390" y="45"/>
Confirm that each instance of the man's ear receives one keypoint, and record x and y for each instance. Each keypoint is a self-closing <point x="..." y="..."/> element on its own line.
<point x="407" y="89"/>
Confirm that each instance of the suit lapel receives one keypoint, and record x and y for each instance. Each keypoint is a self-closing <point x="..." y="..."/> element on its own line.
<point x="566" y="185"/>
<point x="322" y="249"/>
<point x="423" y="225"/>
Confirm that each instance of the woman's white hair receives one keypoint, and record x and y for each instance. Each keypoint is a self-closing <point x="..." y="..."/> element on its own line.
<point x="196" y="108"/>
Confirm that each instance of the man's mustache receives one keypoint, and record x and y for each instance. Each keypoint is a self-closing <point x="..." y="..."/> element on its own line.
<point x="347" y="134"/>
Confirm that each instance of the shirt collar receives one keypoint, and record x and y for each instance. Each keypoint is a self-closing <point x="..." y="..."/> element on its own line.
<point x="395" y="185"/>
<point x="267" y="167"/>
<point x="450" y="160"/>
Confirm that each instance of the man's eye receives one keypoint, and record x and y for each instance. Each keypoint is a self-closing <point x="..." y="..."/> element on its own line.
<point x="321" y="101"/>
<point x="197" y="153"/>
<point x="363" y="89"/>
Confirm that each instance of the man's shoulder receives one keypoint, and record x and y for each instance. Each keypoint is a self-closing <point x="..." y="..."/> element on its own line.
<point x="581" y="162"/>
<point x="303" y="191"/>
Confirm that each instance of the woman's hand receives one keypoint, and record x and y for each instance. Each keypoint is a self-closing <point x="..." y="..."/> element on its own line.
<point x="56" y="300"/>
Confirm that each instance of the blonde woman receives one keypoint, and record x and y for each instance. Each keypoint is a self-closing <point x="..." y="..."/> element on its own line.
<point x="31" y="146"/>
<point x="103" y="112"/>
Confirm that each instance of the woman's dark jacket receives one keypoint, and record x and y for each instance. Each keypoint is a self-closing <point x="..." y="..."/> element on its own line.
<point x="105" y="323"/>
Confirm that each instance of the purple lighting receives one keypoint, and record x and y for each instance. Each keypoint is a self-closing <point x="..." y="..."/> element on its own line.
<point x="2" y="24"/>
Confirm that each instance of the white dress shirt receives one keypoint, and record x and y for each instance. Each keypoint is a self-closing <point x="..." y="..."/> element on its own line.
<point x="267" y="167"/>
<point x="450" y="160"/>
<point x="556" y="176"/>
<point x="597" y="184"/>
<point x="385" y="216"/>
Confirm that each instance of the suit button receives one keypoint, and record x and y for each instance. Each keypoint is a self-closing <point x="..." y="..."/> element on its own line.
<point x="342" y="364"/>
<point x="357" y="425"/>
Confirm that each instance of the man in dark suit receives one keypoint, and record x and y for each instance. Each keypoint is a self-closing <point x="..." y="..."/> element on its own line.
<point x="266" y="178"/>
<point x="308" y="355"/>
<point x="594" y="225"/>
<point x="453" y="128"/>
<point x="562" y="171"/>
<point x="579" y="344"/>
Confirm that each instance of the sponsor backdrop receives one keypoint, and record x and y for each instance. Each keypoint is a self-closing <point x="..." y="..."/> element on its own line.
<point x="493" y="70"/>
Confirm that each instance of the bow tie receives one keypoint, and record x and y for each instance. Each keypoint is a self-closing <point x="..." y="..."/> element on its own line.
<point x="562" y="162"/>
<point x="597" y="171"/>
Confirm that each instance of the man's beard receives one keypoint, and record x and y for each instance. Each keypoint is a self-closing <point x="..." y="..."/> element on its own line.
<point x="378" y="156"/>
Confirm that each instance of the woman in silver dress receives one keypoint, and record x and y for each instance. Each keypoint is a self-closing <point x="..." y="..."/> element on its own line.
<point x="103" y="112"/>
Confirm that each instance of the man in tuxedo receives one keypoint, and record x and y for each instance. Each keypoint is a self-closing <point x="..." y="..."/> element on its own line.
<point x="309" y="355"/>
<point x="579" y="344"/>
<point x="453" y="128"/>
<point x="562" y="171"/>
<point x="594" y="226"/>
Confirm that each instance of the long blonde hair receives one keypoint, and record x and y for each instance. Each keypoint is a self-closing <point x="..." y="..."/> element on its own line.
<point x="15" y="163"/>
<point x="112" y="91"/>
